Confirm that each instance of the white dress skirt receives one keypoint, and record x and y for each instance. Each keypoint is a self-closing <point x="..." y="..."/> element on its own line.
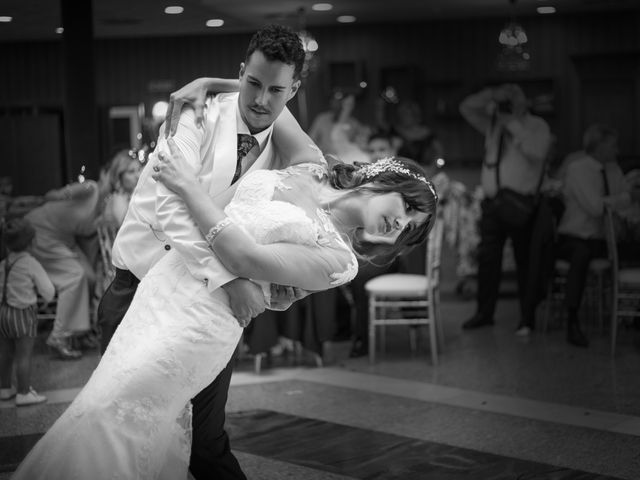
<point x="132" y="420"/>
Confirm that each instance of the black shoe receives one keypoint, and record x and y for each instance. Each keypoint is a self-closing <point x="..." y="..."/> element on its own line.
<point x="576" y="337"/>
<point x="358" y="349"/>
<point x="476" y="321"/>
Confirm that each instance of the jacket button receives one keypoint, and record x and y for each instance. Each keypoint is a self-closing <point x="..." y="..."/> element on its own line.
<point x="167" y="247"/>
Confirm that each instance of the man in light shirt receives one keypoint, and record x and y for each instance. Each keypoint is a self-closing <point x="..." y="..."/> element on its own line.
<point x="592" y="179"/>
<point x="516" y="147"/>
<point x="234" y="138"/>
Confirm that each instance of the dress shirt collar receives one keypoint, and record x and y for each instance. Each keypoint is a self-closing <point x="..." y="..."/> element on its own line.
<point x="262" y="137"/>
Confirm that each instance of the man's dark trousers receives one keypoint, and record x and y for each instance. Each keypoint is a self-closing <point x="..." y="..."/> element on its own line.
<point x="494" y="232"/>
<point x="211" y="456"/>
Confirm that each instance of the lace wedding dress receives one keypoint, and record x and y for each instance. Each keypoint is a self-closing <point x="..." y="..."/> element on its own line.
<point x="132" y="420"/>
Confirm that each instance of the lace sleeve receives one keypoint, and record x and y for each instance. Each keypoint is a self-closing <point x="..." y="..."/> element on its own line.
<point x="312" y="268"/>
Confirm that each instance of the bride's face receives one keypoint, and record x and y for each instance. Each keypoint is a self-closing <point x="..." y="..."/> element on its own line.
<point x="386" y="216"/>
<point x="265" y="88"/>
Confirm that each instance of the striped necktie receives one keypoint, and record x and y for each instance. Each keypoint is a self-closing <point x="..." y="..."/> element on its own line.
<point x="246" y="143"/>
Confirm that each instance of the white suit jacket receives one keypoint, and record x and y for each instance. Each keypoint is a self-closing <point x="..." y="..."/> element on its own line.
<point x="158" y="220"/>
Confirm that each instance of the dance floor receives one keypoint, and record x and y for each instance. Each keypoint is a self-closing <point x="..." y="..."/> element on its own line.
<point x="496" y="407"/>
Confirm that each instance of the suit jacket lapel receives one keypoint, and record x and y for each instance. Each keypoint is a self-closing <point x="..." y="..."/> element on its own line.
<point x="226" y="151"/>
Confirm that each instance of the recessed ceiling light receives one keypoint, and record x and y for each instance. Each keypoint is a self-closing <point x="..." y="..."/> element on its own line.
<point x="59" y="30"/>
<point x="546" y="10"/>
<point x="346" y="19"/>
<point x="5" y="19"/>
<point x="215" y="22"/>
<point x="174" y="10"/>
<point x="321" y="7"/>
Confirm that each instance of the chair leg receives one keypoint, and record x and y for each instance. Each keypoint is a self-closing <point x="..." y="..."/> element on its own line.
<point x="434" y="343"/>
<point x="413" y="339"/>
<point x="372" y="330"/>
<point x="437" y="318"/>
<point x="257" y="363"/>
<point x="614" y="321"/>
<point x="600" y="302"/>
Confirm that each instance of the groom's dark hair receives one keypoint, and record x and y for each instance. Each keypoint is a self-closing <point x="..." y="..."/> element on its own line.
<point x="277" y="42"/>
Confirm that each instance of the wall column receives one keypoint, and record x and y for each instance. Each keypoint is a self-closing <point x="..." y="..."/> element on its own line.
<point x="81" y="127"/>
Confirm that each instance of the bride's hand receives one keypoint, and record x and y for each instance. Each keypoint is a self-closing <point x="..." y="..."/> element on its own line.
<point x="193" y="93"/>
<point x="173" y="170"/>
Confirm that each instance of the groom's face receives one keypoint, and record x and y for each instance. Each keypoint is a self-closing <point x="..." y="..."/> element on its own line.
<point x="265" y="88"/>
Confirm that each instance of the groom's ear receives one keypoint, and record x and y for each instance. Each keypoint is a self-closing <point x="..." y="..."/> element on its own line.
<point x="294" y="89"/>
<point x="242" y="69"/>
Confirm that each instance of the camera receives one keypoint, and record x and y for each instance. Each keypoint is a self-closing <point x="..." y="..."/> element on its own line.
<point x="505" y="106"/>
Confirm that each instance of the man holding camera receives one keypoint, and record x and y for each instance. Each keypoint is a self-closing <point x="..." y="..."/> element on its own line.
<point x="516" y="147"/>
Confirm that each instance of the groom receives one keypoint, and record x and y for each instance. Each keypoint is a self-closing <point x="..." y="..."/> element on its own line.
<point x="234" y="138"/>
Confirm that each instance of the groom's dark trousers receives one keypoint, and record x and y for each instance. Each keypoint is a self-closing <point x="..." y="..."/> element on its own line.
<point x="211" y="457"/>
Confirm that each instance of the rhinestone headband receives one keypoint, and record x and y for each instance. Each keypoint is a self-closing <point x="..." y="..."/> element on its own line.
<point x="389" y="164"/>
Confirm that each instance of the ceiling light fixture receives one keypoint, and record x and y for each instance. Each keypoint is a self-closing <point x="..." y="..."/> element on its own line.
<point x="309" y="43"/>
<point x="5" y="19"/>
<point x="59" y="30"/>
<point x="321" y="7"/>
<point x="346" y="19"/>
<point x="173" y="10"/>
<point x="215" y="22"/>
<point x="546" y="10"/>
<point x="513" y="57"/>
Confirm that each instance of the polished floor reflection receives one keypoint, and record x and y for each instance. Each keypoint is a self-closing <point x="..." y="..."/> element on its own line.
<point x="361" y="453"/>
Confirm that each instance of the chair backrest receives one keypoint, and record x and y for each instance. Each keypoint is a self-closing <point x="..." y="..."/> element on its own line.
<point x="610" y="236"/>
<point x="434" y="250"/>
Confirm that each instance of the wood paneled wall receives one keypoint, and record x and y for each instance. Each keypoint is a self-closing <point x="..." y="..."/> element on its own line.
<point x="455" y="55"/>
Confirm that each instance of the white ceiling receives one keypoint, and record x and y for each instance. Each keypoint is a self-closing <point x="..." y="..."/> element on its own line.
<point x="38" y="19"/>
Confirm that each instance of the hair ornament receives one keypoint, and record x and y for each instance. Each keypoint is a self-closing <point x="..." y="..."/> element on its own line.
<point x="390" y="164"/>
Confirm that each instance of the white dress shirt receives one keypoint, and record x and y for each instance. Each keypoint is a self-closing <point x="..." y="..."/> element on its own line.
<point x="158" y="220"/>
<point x="528" y="139"/>
<point x="523" y="155"/>
<point x="584" y="194"/>
<point x="27" y="279"/>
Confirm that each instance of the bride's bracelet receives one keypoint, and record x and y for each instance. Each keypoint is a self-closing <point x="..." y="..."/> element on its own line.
<point x="216" y="229"/>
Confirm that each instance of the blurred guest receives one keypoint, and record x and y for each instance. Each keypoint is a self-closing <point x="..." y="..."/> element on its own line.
<point x="380" y="146"/>
<point x="22" y="279"/>
<point x="592" y="179"/>
<point x="124" y="174"/>
<point x="337" y="125"/>
<point x="419" y="142"/>
<point x="348" y="136"/>
<point x="516" y="147"/>
<point x="67" y="219"/>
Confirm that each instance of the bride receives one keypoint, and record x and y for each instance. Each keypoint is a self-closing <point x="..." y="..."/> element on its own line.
<point x="306" y="226"/>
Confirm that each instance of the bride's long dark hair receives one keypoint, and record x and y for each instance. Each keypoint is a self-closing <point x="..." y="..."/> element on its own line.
<point x="416" y="193"/>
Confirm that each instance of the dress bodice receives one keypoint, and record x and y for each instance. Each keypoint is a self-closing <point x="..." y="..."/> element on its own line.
<point x="278" y="206"/>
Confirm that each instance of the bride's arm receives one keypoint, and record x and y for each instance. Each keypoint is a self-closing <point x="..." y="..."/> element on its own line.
<point x="290" y="140"/>
<point x="310" y="268"/>
<point x="195" y="93"/>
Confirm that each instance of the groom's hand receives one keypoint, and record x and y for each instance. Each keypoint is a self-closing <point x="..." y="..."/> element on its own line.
<point x="245" y="299"/>
<point x="282" y="297"/>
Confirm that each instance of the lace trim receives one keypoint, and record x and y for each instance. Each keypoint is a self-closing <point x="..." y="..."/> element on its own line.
<point x="349" y="274"/>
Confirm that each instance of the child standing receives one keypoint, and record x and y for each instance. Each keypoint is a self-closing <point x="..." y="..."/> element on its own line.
<point x="21" y="279"/>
